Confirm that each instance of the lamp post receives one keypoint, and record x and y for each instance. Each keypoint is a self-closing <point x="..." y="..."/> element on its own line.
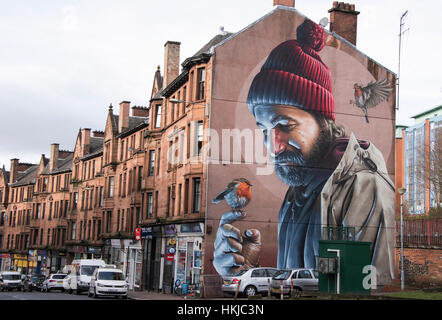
<point x="401" y="192"/>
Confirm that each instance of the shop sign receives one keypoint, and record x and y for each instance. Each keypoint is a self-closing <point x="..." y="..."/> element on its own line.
<point x="42" y="253"/>
<point x="172" y="250"/>
<point x="94" y="250"/>
<point x="146" y="233"/>
<point x="170" y="229"/>
<point x="172" y="241"/>
<point x="6" y="256"/>
<point x="79" y="249"/>
<point x="191" y="228"/>
<point x="170" y="257"/>
<point x="116" y="243"/>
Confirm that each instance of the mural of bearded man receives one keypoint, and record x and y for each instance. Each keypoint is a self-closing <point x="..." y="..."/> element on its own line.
<point x="334" y="179"/>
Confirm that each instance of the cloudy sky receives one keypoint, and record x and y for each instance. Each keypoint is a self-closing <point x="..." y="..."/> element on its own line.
<point x="63" y="62"/>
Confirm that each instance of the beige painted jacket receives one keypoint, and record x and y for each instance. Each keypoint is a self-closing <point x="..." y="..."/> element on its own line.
<point x="360" y="194"/>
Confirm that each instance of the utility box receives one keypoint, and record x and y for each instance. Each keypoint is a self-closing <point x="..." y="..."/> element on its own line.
<point x="340" y="265"/>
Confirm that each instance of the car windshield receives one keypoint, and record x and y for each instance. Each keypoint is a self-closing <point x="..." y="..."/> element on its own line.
<point x="110" y="275"/>
<point x="316" y="274"/>
<point x="282" y="275"/>
<point x="88" y="270"/>
<point x="11" y="277"/>
<point x="59" y="276"/>
<point x="35" y="278"/>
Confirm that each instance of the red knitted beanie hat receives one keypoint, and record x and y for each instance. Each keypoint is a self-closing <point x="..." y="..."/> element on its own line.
<point x="295" y="75"/>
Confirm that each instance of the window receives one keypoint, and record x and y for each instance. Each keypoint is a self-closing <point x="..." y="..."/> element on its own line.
<point x="259" y="273"/>
<point x="304" y="274"/>
<point x="109" y="222"/>
<point x="199" y="138"/>
<point x="149" y="205"/>
<point x="118" y="220"/>
<point x="151" y="162"/>
<point x="201" y="76"/>
<point x="111" y="187"/>
<point x="196" y="194"/>
<point x="186" y="197"/>
<point x="122" y="150"/>
<point x="38" y="211"/>
<point x="158" y="116"/>
<point x="75" y="200"/>
<point x="179" y="198"/>
<point x="140" y="178"/>
<point x="101" y="196"/>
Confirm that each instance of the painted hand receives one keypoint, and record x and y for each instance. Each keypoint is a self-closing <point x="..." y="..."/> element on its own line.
<point x="235" y="251"/>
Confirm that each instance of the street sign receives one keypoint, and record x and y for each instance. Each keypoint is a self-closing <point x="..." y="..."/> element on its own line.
<point x="170" y="257"/>
<point x="138" y="234"/>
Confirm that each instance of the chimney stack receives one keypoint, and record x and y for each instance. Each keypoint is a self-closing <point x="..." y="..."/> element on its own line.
<point x="53" y="161"/>
<point x="171" y="62"/>
<point x="13" y="174"/>
<point x="123" y="117"/>
<point x="287" y="3"/>
<point x="98" y="134"/>
<point x="85" y="140"/>
<point x="344" y="20"/>
<point x="140" y="111"/>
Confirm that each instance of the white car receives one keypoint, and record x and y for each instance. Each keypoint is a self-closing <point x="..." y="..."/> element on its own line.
<point x="108" y="281"/>
<point x="251" y="281"/>
<point x="53" y="282"/>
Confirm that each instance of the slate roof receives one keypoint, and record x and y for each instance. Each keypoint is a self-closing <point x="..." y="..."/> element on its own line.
<point x="26" y="177"/>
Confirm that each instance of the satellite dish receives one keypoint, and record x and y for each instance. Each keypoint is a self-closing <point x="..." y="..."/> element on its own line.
<point x="323" y="22"/>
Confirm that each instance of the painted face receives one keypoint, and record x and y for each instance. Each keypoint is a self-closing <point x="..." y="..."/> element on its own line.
<point x="290" y="135"/>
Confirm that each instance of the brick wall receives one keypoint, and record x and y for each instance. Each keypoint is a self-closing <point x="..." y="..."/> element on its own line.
<point x="422" y="267"/>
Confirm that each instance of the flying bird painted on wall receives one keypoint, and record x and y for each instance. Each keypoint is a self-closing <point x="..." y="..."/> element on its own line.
<point x="371" y="95"/>
<point x="237" y="194"/>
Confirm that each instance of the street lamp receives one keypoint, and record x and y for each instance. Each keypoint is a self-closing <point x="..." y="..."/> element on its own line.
<point x="401" y="192"/>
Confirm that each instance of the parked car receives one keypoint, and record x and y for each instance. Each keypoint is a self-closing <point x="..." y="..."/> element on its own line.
<point x="10" y="280"/>
<point x="251" y="281"/>
<point x="53" y="282"/>
<point x="303" y="280"/>
<point x="33" y="282"/>
<point x="108" y="281"/>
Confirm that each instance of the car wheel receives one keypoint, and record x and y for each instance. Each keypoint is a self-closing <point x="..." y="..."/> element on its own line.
<point x="77" y="292"/>
<point x="70" y="291"/>
<point x="250" y="291"/>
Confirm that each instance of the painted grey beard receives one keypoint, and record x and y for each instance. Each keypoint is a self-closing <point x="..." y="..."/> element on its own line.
<point x="290" y="167"/>
<point x="294" y="169"/>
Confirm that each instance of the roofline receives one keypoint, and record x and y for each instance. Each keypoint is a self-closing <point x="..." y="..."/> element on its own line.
<point x="276" y="8"/>
<point x="428" y="111"/>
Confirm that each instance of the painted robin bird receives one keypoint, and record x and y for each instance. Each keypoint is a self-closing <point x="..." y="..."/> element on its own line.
<point x="237" y="194"/>
<point x="371" y="95"/>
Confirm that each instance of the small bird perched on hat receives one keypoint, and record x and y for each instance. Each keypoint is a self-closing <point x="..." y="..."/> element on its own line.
<point x="237" y="194"/>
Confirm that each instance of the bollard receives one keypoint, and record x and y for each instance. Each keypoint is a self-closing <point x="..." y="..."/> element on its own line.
<point x="291" y="287"/>
<point x="269" y="295"/>
<point x="237" y="289"/>
<point x="281" y="286"/>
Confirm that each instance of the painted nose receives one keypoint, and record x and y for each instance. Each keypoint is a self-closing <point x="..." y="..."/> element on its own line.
<point x="278" y="141"/>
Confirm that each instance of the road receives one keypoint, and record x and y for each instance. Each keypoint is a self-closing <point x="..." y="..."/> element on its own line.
<point x="54" y="295"/>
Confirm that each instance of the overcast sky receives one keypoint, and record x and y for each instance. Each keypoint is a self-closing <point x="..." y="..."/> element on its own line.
<point x="62" y="62"/>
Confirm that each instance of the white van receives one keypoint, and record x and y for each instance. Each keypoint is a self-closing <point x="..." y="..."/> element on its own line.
<point x="80" y="276"/>
<point x="10" y="280"/>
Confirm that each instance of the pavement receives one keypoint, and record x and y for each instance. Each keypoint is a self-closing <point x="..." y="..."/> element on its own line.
<point x="151" y="295"/>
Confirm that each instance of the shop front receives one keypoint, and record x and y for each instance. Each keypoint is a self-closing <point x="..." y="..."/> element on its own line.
<point x="5" y="264"/>
<point x="188" y="257"/>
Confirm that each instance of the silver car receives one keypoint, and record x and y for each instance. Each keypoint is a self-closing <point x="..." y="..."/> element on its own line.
<point x="298" y="279"/>
<point x="251" y="281"/>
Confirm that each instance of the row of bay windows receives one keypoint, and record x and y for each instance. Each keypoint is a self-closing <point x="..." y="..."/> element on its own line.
<point x="53" y="237"/>
<point x="51" y="184"/>
<point x="44" y="184"/>
<point x="177" y="110"/>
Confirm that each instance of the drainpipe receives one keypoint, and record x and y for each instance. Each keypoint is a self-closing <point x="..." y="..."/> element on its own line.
<point x="338" y="280"/>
